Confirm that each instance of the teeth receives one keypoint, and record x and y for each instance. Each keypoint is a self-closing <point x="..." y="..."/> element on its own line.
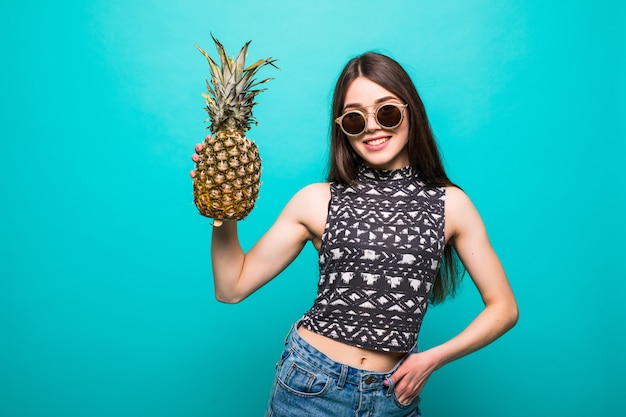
<point x="377" y="141"/>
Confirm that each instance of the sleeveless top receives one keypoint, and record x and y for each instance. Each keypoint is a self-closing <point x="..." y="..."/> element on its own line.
<point x="381" y="250"/>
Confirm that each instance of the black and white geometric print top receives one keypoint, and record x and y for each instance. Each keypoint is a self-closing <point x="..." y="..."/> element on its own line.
<point x="381" y="250"/>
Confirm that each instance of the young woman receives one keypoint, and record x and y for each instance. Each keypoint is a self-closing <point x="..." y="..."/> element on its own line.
<point x="388" y="227"/>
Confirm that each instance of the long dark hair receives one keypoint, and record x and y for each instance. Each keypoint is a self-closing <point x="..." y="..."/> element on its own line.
<point x="423" y="152"/>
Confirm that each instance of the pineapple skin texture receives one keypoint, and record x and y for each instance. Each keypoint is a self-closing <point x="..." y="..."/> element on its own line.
<point x="228" y="176"/>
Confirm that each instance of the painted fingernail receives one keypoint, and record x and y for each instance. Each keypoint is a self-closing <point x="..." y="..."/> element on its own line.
<point x="386" y="382"/>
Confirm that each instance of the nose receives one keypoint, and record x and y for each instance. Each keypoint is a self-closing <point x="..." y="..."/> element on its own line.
<point x="371" y="123"/>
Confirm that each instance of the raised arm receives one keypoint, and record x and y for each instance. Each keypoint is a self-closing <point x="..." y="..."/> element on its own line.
<point x="238" y="274"/>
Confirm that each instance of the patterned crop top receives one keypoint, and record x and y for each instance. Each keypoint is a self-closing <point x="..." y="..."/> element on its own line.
<point x="381" y="250"/>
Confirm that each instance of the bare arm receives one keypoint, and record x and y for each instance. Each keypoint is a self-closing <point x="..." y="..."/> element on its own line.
<point x="466" y="231"/>
<point x="471" y="242"/>
<point x="237" y="274"/>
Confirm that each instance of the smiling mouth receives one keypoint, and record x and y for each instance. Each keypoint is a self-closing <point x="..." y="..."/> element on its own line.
<point x="377" y="141"/>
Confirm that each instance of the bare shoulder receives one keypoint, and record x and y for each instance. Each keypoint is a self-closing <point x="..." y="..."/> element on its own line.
<point x="457" y="199"/>
<point x="460" y="213"/>
<point x="312" y="197"/>
<point x="309" y="206"/>
<point x="316" y="190"/>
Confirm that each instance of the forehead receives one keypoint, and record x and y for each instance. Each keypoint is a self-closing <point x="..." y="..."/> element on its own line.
<point x="364" y="92"/>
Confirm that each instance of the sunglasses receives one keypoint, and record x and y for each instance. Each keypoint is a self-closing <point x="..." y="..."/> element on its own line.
<point x="388" y="116"/>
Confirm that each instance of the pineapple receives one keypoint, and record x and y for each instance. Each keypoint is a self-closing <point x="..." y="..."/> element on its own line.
<point x="228" y="171"/>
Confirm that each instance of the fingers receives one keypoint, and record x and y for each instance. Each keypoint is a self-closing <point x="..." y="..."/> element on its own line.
<point x="407" y="399"/>
<point x="199" y="146"/>
<point x="405" y="396"/>
<point x="195" y="157"/>
<point x="406" y="385"/>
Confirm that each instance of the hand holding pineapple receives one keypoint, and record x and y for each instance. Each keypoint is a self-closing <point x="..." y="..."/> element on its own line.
<point x="228" y="166"/>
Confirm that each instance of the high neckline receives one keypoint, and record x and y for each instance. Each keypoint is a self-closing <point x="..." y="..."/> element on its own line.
<point x="369" y="174"/>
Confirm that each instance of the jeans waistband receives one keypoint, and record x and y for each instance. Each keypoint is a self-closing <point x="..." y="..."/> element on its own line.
<point x="365" y="380"/>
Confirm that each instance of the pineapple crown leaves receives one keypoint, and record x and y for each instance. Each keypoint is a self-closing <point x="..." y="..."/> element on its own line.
<point x="232" y="89"/>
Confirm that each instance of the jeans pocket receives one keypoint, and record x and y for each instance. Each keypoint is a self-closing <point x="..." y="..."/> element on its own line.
<point x="300" y="378"/>
<point x="414" y="403"/>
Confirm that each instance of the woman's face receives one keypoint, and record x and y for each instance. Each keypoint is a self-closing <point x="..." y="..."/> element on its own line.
<point x="380" y="148"/>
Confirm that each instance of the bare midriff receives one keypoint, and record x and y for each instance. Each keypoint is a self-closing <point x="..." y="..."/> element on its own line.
<point x="353" y="356"/>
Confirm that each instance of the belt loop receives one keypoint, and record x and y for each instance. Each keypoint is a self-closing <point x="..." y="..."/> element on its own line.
<point x="343" y="376"/>
<point x="293" y="328"/>
<point x="391" y="386"/>
<point x="288" y="335"/>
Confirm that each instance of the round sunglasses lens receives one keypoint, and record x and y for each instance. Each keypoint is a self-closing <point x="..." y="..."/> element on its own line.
<point x="353" y="123"/>
<point x="389" y="116"/>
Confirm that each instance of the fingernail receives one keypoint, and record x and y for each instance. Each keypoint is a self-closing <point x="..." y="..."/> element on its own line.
<point x="386" y="382"/>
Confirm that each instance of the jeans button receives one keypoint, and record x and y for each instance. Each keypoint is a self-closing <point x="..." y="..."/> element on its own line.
<point x="369" y="380"/>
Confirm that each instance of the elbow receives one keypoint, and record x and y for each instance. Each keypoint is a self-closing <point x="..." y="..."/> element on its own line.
<point x="512" y="315"/>
<point x="227" y="298"/>
<point x="506" y="314"/>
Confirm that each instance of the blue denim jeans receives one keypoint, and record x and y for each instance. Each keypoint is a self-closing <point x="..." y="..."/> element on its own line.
<point x="309" y="383"/>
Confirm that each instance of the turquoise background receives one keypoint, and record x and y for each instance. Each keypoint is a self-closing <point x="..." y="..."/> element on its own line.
<point x="106" y="297"/>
